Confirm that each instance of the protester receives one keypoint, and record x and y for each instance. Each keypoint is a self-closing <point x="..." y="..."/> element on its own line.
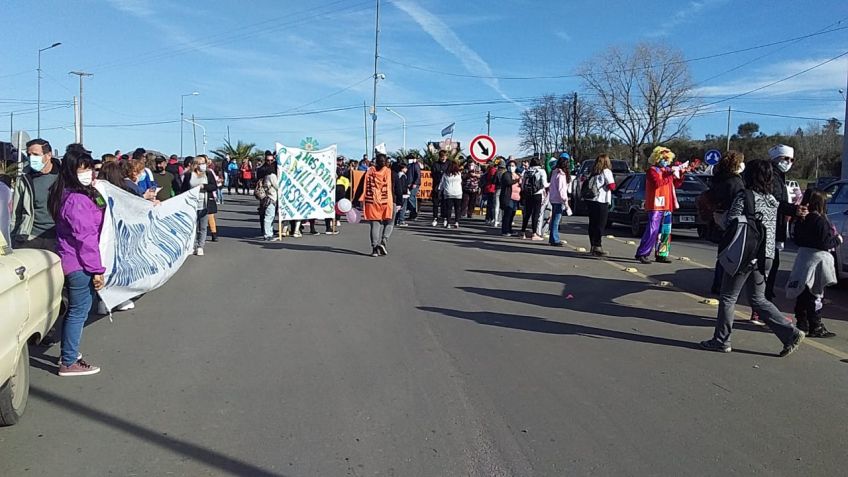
<point x="78" y="211"/>
<point x="413" y="181"/>
<point x="166" y="181"/>
<point x="107" y="158"/>
<point x="559" y="190"/>
<point x="814" y="267"/>
<point x="375" y="191"/>
<point x="32" y="223"/>
<point x="143" y="175"/>
<point x="199" y="176"/>
<point x="758" y="183"/>
<point x="660" y="202"/>
<point x="533" y="185"/>
<point x="488" y="186"/>
<point x="401" y="190"/>
<point x="232" y="171"/>
<point x="246" y="176"/>
<point x="726" y="184"/>
<point x="450" y="190"/>
<point x="510" y="197"/>
<point x="219" y="181"/>
<point x="470" y="188"/>
<point x="601" y="183"/>
<point x="175" y="169"/>
<point x="501" y="163"/>
<point x="113" y="173"/>
<point x="437" y="170"/>
<point x="268" y="205"/>
<point x="782" y="157"/>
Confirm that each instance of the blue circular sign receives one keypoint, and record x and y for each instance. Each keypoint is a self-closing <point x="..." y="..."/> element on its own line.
<point x="712" y="157"/>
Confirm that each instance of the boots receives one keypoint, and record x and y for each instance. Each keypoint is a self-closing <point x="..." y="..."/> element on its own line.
<point x="599" y="252"/>
<point x="214" y="237"/>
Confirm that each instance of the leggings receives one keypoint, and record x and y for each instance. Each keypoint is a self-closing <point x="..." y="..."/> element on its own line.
<point x="447" y="205"/>
<point x="532" y="210"/>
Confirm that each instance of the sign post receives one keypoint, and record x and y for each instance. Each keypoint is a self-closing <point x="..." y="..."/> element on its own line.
<point x="483" y="149"/>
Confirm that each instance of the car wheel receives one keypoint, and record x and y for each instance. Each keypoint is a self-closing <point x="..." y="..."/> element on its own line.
<point x="635" y="226"/>
<point x="14" y="394"/>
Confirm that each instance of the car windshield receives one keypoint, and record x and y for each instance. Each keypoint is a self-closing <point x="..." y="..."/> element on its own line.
<point x="693" y="184"/>
<point x="620" y="167"/>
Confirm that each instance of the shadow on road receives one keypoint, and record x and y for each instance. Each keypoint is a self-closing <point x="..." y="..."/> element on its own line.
<point x="206" y="456"/>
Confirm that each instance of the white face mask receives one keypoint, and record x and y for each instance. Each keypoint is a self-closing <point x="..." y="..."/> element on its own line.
<point x="784" y="166"/>
<point x="36" y="163"/>
<point x="202" y="167"/>
<point x="741" y="168"/>
<point x="85" y="178"/>
<point x="511" y="168"/>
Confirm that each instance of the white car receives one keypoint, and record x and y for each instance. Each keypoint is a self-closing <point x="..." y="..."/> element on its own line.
<point x="31" y="299"/>
<point x="837" y="213"/>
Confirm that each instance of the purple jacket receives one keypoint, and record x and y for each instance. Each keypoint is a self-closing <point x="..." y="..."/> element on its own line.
<point x="78" y="234"/>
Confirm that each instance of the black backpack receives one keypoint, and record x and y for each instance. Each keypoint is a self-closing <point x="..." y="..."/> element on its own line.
<point x="743" y="246"/>
<point x="589" y="190"/>
<point x="532" y="183"/>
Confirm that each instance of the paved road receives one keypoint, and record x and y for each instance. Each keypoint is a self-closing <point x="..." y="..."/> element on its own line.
<point x="461" y="353"/>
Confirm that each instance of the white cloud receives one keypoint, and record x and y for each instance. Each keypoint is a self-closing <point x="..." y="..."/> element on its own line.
<point x="140" y="8"/>
<point x="563" y="35"/>
<point x="824" y="78"/>
<point x="683" y="16"/>
<point x="447" y="39"/>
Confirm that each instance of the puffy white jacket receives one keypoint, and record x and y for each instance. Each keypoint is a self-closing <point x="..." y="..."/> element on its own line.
<point x="451" y="186"/>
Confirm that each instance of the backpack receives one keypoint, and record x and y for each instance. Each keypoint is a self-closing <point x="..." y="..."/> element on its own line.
<point x="532" y="183"/>
<point x="743" y="246"/>
<point x="589" y="189"/>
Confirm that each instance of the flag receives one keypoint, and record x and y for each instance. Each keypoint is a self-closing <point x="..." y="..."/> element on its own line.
<point x="448" y="130"/>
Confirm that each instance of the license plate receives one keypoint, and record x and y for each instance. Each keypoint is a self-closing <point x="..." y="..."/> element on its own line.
<point x="687" y="219"/>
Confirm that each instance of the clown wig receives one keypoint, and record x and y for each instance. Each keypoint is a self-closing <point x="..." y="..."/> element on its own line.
<point x="661" y="153"/>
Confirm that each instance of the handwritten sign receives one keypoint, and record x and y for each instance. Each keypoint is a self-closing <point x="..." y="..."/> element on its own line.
<point x="426" y="190"/>
<point x="141" y="245"/>
<point x="307" y="183"/>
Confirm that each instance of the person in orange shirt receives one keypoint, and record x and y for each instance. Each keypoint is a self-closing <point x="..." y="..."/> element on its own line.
<point x="660" y="202"/>
<point x="375" y="191"/>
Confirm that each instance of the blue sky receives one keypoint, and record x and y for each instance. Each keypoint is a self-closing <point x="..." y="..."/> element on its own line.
<point x="249" y="58"/>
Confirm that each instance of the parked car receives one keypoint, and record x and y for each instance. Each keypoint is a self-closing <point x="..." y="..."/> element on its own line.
<point x="822" y="182"/>
<point x="620" y="170"/>
<point x="840" y="221"/>
<point x="838" y="201"/>
<point x="628" y="203"/>
<point x="31" y="298"/>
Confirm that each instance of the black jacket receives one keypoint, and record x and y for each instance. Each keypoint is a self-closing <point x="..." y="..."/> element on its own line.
<point x="785" y="208"/>
<point x="724" y="189"/>
<point x="413" y="174"/>
<point x="506" y="188"/>
<point x="438" y="170"/>
<point x="814" y="231"/>
<point x="400" y="186"/>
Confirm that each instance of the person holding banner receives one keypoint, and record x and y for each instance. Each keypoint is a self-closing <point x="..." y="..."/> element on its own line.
<point x="199" y="176"/>
<point x="375" y="191"/>
<point x="78" y="210"/>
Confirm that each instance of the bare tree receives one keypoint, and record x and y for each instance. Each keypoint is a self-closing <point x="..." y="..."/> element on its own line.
<point x="646" y="92"/>
<point x="548" y="126"/>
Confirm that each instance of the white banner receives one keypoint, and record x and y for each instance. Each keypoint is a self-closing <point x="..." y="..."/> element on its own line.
<point x="142" y="246"/>
<point x="307" y="183"/>
<point x="6" y="212"/>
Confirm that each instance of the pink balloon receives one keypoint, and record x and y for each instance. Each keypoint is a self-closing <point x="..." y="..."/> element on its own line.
<point x="353" y="216"/>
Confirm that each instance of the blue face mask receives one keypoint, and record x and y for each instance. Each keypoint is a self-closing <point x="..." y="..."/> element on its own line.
<point x="663" y="163"/>
<point x="36" y="163"/>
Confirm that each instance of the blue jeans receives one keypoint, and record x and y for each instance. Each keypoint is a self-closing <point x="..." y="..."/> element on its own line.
<point x="411" y="206"/>
<point x="80" y="298"/>
<point x="556" y="217"/>
<point x="268" y="219"/>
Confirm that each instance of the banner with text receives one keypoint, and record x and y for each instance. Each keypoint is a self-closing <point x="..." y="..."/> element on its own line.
<point x="141" y="245"/>
<point x="307" y="183"/>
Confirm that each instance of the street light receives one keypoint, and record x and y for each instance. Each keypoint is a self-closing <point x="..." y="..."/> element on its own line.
<point x="403" y="119"/>
<point x="195" y="123"/>
<point x="38" y="108"/>
<point x="182" y="117"/>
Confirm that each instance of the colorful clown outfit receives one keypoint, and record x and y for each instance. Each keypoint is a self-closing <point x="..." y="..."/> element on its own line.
<point x="660" y="203"/>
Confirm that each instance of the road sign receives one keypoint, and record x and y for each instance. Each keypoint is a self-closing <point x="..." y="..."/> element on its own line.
<point x="712" y="157"/>
<point x="483" y="149"/>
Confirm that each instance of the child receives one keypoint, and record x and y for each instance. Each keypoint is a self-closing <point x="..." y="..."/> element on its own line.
<point x="814" y="267"/>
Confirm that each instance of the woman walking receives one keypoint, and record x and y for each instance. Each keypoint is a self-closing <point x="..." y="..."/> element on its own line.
<point x="199" y="176"/>
<point x="756" y="200"/>
<point x="726" y="184"/>
<point x="450" y="189"/>
<point x="375" y="191"/>
<point x="533" y="186"/>
<point x="246" y="176"/>
<point x="814" y="267"/>
<point x="510" y="196"/>
<point x="470" y="188"/>
<point x="601" y="184"/>
<point x="560" y="187"/>
<point x="78" y="210"/>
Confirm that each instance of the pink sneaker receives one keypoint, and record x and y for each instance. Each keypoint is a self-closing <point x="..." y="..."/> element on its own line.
<point x="80" y="368"/>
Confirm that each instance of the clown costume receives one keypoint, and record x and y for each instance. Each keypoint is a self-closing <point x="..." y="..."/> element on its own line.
<point x="660" y="203"/>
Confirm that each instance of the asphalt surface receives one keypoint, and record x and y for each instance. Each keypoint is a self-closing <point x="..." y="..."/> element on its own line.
<point x="461" y="353"/>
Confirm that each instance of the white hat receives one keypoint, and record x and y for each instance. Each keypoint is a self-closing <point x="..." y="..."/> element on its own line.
<point x="781" y="150"/>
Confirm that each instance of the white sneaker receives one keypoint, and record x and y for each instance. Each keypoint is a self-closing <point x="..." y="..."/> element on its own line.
<point x="435" y="222"/>
<point x="199" y="252"/>
<point x="497" y="224"/>
<point x="445" y="223"/>
<point x="125" y="306"/>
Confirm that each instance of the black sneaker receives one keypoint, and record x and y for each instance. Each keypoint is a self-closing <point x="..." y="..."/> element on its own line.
<point x="716" y="345"/>
<point x="663" y="260"/>
<point x="374" y="252"/>
<point x="793" y="345"/>
<point x="382" y="250"/>
<point x="643" y="259"/>
<point x="820" y="332"/>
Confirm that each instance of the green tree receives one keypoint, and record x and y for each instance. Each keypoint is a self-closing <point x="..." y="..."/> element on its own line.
<point x="747" y="130"/>
<point x="238" y="152"/>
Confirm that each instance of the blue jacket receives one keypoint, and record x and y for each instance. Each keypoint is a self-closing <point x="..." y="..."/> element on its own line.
<point x="413" y="174"/>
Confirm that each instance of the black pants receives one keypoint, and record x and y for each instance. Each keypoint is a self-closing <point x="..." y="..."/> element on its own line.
<point x="437" y="203"/>
<point x="469" y="202"/>
<point x="805" y="311"/>
<point x="598" y="212"/>
<point x="772" y="276"/>
<point x="261" y="219"/>
<point x="447" y="205"/>
<point x="508" y="217"/>
<point x="532" y="211"/>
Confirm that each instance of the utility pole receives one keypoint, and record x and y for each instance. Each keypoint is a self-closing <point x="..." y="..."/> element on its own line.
<point x="81" y="74"/>
<point x="845" y="143"/>
<point x="54" y="45"/>
<point x="376" y="78"/>
<point x="365" y="112"/>
<point x="574" y="127"/>
<point x="228" y="133"/>
<point x="728" y="128"/>
<point x="182" y="119"/>
<point x="194" y="132"/>
<point x="489" y="123"/>
<point x="76" y="121"/>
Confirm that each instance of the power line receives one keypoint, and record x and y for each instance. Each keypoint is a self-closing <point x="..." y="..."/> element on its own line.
<point x="563" y="76"/>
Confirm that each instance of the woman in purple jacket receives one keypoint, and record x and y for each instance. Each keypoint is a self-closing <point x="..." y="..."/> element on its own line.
<point x="77" y="209"/>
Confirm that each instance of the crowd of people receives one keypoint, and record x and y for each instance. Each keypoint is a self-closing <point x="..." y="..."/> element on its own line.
<point x="56" y="207"/>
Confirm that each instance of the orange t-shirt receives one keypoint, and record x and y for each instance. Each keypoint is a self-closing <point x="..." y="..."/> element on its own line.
<point x="378" y="201"/>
